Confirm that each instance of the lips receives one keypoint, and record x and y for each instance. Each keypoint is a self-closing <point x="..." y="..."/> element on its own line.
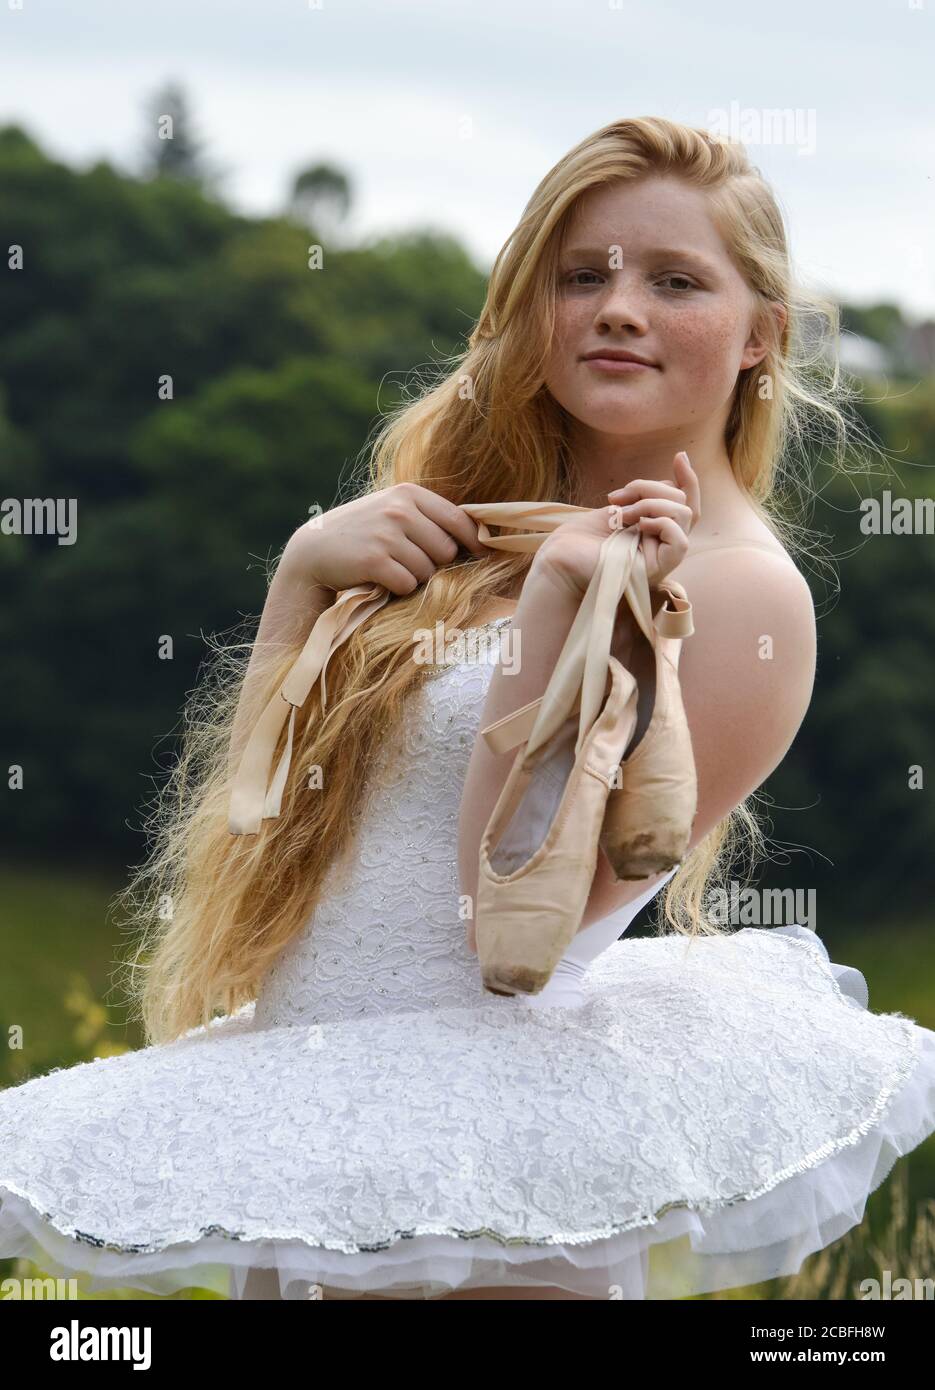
<point x="617" y="366"/>
<point x="617" y="355"/>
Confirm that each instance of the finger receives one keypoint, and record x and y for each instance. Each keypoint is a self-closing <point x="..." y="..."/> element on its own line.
<point x="647" y="487"/>
<point x="437" y="543"/>
<point x="656" y="506"/>
<point x="453" y="519"/>
<point x="395" y="577"/>
<point x="594" y="523"/>
<point x="413" y="558"/>
<point x="671" y="538"/>
<point x="689" y="482"/>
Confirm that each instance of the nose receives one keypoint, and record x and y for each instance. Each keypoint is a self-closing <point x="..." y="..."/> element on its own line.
<point x="622" y="305"/>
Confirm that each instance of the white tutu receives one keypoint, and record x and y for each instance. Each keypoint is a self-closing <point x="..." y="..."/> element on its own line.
<point x="377" y="1123"/>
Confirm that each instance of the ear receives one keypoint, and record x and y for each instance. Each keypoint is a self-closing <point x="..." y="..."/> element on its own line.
<point x="756" y="347"/>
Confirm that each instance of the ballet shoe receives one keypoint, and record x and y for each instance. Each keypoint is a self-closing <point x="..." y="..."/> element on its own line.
<point x="654" y="798"/>
<point x="526" y="919"/>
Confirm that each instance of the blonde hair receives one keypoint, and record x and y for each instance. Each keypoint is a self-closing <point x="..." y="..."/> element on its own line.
<point x="214" y="910"/>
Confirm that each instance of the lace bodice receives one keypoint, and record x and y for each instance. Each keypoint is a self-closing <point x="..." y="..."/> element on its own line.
<point x="389" y="933"/>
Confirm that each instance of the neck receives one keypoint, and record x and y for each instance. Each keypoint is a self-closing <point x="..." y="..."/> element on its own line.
<point x="606" y="462"/>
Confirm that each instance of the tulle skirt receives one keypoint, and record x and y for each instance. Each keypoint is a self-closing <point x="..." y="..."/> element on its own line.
<point x="703" y="1117"/>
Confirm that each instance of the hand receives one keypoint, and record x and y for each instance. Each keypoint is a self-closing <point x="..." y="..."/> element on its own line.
<point x="397" y="537"/>
<point x="663" y="512"/>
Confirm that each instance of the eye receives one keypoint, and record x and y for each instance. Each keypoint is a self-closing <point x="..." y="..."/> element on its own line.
<point x="686" y="282"/>
<point x="571" y="277"/>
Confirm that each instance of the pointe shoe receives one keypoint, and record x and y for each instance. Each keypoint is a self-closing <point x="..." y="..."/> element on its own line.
<point x="654" y="798"/>
<point x="526" y="919"/>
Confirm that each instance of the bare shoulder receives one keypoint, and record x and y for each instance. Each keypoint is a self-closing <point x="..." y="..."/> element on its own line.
<point x="751" y="538"/>
<point x="750" y="574"/>
<point x="746" y="575"/>
<point x="748" y="671"/>
<point x="752" y="580"/>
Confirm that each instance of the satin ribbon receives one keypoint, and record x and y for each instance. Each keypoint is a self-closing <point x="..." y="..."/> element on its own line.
<point x="255" y="798"/>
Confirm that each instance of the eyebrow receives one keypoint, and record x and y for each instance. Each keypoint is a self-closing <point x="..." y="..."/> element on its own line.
<point x="658" y="252"/>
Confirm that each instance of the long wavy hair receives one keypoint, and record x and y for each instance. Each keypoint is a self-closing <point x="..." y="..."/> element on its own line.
<point x="214" y="910"/>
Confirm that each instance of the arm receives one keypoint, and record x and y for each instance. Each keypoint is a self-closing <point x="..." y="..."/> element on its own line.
<point x="743" y="709"/>
<point x="744" y="705"/>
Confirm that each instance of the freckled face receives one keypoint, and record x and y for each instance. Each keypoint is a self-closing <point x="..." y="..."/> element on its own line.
<point x="671" y="294"/>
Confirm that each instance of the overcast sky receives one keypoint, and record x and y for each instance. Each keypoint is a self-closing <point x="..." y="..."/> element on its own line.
<point x="448" y="112"/>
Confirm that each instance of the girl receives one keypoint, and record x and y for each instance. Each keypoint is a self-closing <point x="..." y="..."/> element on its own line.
<point x="329" y="1104"/>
